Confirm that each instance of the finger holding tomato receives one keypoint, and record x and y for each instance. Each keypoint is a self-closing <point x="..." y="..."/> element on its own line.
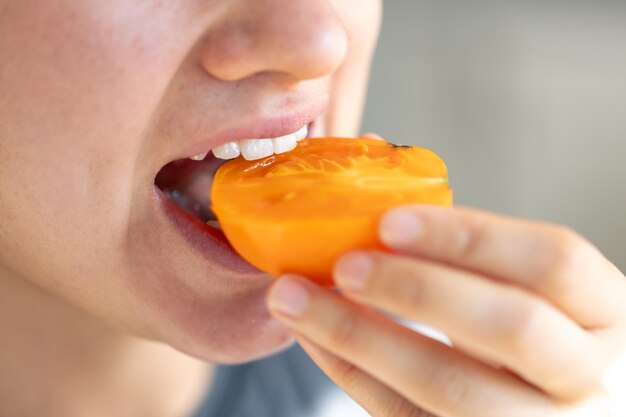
<point x="536" y="315"/>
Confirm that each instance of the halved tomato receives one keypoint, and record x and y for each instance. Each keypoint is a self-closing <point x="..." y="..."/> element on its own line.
<point x="298" y="212"/>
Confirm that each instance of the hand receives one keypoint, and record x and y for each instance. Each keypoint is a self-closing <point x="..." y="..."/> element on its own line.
<point x="536" y="315"/>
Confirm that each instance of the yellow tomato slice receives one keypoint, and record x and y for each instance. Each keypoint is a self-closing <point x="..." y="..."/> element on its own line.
<point x="298" y="212"/>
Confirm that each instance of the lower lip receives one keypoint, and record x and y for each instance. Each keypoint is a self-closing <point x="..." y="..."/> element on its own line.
<point x="208" y="241"/>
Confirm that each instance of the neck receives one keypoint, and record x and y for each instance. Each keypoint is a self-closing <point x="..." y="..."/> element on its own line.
<point x="56" y="360"/>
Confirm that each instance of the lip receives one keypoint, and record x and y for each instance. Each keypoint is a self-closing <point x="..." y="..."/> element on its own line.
<point x="209" y="242"/>
<point x="255" y="128"/>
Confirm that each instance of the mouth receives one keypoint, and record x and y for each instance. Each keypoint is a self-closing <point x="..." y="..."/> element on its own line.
<point x="184" y="187"/>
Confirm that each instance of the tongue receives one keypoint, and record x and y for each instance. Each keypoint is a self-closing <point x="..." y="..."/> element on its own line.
<point x="188" y="183"/>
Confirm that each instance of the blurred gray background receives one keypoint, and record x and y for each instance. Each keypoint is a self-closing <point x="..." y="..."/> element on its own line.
<point x="525" y="100"/>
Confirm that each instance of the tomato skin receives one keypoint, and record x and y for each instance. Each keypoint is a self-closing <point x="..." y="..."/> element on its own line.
<point x="263" y="245"/>
<point x="299" y="212"/>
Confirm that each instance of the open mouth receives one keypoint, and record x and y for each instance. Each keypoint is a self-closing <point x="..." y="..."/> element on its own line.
<point x="187" y="182"/>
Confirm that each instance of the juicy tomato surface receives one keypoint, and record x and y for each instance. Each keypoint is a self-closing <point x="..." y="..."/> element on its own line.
<point x="298" y="212"/>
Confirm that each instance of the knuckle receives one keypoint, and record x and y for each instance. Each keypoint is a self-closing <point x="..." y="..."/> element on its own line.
<point x="447" y="387"/>
<point x="566" y="260"/>
<point x="343" y="334"/>
<point x="421" y="413"/>
<point x="399" y="285"/>
<point x="471" y="234"/>
<point x="402" y="408"/>
<point x="517" y="324"/>
<point x="409" y="290"/>
<point x="411" y="300"/>
<point x="346" y="373"/>
<point x="567" y="254"/>
<point x="417" y="412"/>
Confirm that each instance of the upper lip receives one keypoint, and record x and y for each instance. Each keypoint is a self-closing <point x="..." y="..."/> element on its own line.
<point x="282" y="124"/>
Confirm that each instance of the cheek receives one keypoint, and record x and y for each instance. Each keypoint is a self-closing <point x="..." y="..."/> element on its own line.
<point x="362" y="20"/>
<point x="79" y="83"/>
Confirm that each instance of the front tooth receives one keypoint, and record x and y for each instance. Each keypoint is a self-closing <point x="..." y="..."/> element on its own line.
<point x="228" y="150"/>
<point x="302" y="133"/>
<point x="285" y="143"/>
<point x="214" y="224"/>
<point x="252" y="149"/>
<point x="199" y="157"/>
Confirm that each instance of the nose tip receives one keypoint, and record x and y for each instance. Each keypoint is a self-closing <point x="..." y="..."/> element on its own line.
<point x="303" y="39"/>
<point x="325" y="50"/>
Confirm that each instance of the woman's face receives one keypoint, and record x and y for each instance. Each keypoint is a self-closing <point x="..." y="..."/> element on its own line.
<point x="96" y="97"/>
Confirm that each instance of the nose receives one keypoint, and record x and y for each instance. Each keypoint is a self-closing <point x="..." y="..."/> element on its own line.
<point x="302" y="38"/>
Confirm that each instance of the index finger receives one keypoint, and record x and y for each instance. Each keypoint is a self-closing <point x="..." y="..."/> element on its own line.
<point x="547" y="259"/>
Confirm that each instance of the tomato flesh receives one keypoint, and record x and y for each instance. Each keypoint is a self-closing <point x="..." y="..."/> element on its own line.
<point x="298" y="212"/>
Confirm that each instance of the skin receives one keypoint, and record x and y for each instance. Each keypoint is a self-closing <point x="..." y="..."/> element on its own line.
<point x="96" y="98"/>
<point x="101" y="299"/>
<point x="536" y="315"/>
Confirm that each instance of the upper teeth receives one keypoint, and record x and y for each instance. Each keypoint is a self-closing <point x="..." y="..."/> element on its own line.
<point x="200" y="156"/>
<point x="252" y="149"/>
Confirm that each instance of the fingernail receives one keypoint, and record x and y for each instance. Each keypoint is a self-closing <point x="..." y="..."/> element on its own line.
<point x="288" y="296"/>
<point x="400" y="227"/>
<point x="372" y="136"/>
<point x="353" y="270"/>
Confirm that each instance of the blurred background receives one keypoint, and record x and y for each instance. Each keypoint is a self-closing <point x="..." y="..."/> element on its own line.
<point x="525" y="101"/>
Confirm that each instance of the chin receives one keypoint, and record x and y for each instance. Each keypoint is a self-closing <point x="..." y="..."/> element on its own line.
<point x="228" y="332"/>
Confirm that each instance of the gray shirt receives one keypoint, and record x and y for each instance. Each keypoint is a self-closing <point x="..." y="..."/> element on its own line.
<point x="288" y="384"/>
